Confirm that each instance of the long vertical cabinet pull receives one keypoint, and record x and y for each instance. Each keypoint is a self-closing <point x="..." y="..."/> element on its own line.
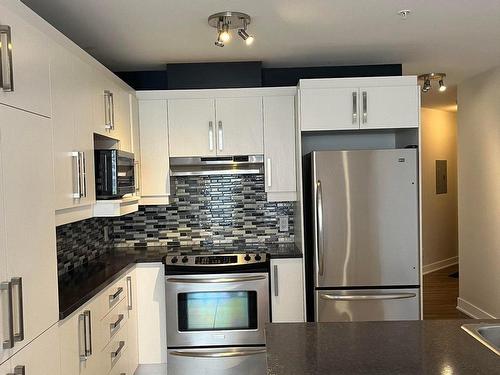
<point x="210" y="136"/>
<point x="112" y="109"/>
<point x="129" y="292"/>
<point x="276" y="288"/>
<point x="83" y="170"/>
<point x="109" y="112"/>
<point x="85" y="326"/>
<point x="6" y="288"/>
<point x="17" y="286"/>
<point x="137" y="177"/>
<point x="354" y="107"/>
<point x="220" y="136"/>
<point x="269" y="173"/>
<point x="6" y="73"/>
<point x="365" y="107"/>
<point x="80" y="175"/>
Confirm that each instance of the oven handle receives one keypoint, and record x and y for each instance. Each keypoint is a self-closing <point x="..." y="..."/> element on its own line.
<point x="217" y="354"/>
<point x="215" y="280"/>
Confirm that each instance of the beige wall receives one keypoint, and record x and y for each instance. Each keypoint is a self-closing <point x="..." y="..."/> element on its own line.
<point x="479" y="193"/>
<point x="439" y="211"/>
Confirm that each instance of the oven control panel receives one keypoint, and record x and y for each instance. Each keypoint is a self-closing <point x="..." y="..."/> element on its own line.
<point x="215" y="259"/>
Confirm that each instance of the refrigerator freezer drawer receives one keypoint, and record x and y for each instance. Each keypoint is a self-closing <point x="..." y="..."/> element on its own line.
<point x="367" y="305"/>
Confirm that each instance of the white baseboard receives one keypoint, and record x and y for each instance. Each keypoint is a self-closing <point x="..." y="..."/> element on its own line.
<point x="428" y="268"/>
<point x="472" y="310"/>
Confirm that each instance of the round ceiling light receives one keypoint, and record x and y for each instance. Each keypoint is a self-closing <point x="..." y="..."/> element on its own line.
<point x="226" y="21"/>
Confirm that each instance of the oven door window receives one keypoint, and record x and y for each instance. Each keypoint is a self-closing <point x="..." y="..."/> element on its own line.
<point x="217" y="311"/>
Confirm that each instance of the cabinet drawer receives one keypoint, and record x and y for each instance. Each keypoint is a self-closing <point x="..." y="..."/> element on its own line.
<point x="115" y="352"/>
<point x="111" y="298"/>
<point x="113" y="323"/>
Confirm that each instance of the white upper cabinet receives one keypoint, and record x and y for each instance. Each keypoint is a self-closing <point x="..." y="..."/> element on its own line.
<point x="191" y="126"/>
<point x="279" y="148"/>
<point x="359" y="103"/>
<point x="27" y="213"/>
<point x="25" y="63"/>
<point x="122" y="125"/>
<point x="329" y="108"/>
<point x="389" y="107"/>
<point x="72" y="132"/>
<point x="239" y="126"/>
<point x="155" y="180"/>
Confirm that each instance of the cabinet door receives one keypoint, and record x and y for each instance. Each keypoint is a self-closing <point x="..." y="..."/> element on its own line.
<point x="30" y="66"/>
<point x="240" y="129"/>
<point x="191" y="127"/>
<point x="5" y="368"/>
<point x="329" y="109"/>
<point x="122" y="130"/>
<point x="4" y="290"/>
<point x="154" y="148"/>
<point x="28" y="208"/>
<point x="287" y="290"/>
<point x="99" y="84"/>
<point x="389" y="107"/>
<point x="133" y="349"/>
<point x="39" y="357"/>
<point x="135" y="140"/>
<point x="279" y="146"/>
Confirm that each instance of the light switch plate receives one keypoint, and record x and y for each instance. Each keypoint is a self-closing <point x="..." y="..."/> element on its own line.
<point x="283" y="223"/>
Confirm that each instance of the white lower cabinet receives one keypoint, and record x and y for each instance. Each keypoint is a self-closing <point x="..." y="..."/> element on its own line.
<point x="287" y="290"/>
<point x="37" y="358"/>
<point x="101" y="338"/>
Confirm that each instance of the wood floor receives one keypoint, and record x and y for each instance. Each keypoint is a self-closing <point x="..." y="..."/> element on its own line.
<point x="440" y="295"/>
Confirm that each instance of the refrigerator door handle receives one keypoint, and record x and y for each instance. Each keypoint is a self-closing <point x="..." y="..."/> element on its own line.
<point x="319" y="232"/>
<point x="365" y="297"/>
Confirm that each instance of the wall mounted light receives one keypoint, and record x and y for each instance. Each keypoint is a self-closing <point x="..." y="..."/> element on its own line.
<point x="226" y="21"/>
<point x="427" y="78"/>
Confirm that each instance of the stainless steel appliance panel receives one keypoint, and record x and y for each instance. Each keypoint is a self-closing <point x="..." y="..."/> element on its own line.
<point x="217" y="361"/>
<point x="178" y="286"/>
<point x="367" y="305"/>
<point x="365" y="218"/>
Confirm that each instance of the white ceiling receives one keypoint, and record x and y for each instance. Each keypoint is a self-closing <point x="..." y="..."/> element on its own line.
<point x="459" y="37"/>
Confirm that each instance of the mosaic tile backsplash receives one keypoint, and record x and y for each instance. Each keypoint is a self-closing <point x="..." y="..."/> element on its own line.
<point x="208" y="210"/>
<point x="204" y="210"/>
<point x="80" y="242"/>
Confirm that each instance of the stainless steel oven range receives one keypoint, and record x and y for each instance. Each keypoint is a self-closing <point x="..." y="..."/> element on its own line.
<point x="217" y="306"/>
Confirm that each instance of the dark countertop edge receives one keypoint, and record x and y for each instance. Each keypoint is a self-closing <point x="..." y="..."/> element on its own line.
<point x="99" y="288"/>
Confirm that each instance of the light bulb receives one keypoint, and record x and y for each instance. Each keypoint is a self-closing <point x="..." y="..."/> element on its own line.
<point x="224" y="35"/>
<point x="249" y="40"/>
<point x="442" y="86"/>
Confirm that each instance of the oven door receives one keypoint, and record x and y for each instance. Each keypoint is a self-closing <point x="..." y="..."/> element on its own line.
<point x="217" y="309"/>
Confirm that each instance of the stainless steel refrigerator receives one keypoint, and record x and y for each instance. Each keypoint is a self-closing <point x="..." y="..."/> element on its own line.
<point x="365" y="233"/>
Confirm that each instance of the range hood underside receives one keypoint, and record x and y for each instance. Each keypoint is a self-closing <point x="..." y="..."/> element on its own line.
<point x="208" y="166"/>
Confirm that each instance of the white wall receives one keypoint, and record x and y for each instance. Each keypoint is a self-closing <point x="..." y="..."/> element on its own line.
<point x="479" y="194"/>
<point x="439" y="211"/>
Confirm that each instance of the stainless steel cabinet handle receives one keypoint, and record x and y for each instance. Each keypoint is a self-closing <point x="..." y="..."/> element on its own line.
<point x="84" y="173"/>
<point x="137" y="178"/>
<point x="112" y="297"/>
<point x="117" y="352"/>
<point x="112" y="107"/>
<point x="77" y="183"/>
<point x="220" y="136"/>
<point x="215" y="280"/>
<point x="129" y="292"/>
<point x="354" y="107"/>
<point x="17" y="283"/>
<point x="6" y="288"/>
<point x="109" y="112"/>
<point x="269" y="173"/>
<point x="85" y="335"/>
<point x="365" y="297"/>
<point x="114" y="325"/>
<point x="19" y="370"/>
<point x="319" y="231"/>
<point x="210" y="136"/>
<point x="365" y="107"/>
<point x="276" y="290"/>
<point x="6" y="71"/>
<point x="217" y="354"/>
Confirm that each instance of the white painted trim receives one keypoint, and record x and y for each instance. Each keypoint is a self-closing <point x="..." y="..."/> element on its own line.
<point x="215" y="93"/>
<point x="472" y="310"/>
<point x="428" y="268"/>
<point x="319" y="83"/>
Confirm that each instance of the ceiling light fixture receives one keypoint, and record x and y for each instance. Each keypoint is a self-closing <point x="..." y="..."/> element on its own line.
<point x="226" y="21"/>
<point x="428" y="77"/>
<point x="404" y="13"/>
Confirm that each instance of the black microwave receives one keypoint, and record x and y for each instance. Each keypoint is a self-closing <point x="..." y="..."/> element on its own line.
<point x="114" y="174"/>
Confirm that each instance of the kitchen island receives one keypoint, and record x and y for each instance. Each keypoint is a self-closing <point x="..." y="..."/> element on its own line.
<point x="399" y="347"/>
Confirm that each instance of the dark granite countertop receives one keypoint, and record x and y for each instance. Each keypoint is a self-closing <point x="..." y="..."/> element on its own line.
<point x="404" y="347"/>
<point x="78" y="286"/>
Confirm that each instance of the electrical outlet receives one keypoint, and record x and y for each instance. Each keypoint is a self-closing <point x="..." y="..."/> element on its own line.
<point x="283" y="223"/>
<point x="106" y="234"/>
